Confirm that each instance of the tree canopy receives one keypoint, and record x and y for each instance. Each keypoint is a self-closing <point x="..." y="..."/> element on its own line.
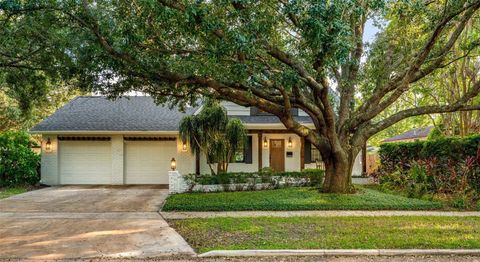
<point x="275" y="55"/>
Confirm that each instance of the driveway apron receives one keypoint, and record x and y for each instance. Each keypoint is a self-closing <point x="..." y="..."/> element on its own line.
<point x="88" y="221"/>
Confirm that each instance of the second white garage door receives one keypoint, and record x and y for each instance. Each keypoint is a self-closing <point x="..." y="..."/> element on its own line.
<point x="148" y="162"/>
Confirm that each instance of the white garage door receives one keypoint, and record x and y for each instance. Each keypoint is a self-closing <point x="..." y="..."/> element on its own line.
<point x="148" y="162"/>
<point x="85" y="162"/>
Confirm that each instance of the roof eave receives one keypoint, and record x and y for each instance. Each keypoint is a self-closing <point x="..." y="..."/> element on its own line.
<point x="280" y="126"/>
<point x="100" y="132"/>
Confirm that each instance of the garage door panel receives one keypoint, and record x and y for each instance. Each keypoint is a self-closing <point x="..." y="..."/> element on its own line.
<point x="148" y="162"/>
<point x="85" y="162"/>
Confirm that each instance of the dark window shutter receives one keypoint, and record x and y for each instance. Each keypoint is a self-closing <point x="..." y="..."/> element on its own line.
<point x="248" y="150"/>
<point x="308" y="152"/>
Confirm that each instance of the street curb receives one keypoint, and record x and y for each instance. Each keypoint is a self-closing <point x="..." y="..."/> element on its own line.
<point x="338" y="252"/>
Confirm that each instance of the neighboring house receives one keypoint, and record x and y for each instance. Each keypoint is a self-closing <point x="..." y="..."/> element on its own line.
<point x="131" y="140"/>
<point x="411" y="135"/>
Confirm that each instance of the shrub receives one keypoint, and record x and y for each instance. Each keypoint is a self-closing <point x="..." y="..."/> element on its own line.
<point x="313" y="177"/>
<point x="19" y="165"/>
<point x="447" y="160"/>
<point x="393" y="155"/>
<point x="455" y="180"/>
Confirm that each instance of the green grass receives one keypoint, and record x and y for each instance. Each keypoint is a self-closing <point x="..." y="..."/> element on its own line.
<point x="330" y="232"/>
<point x="10" y="191"/>
<point x="294" y="199"/>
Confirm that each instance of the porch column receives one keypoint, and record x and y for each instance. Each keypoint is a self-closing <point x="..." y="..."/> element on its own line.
<point x="260" y="148"/>
<point x="197" y="163"/>
<point x="302" y="153"/>
<point x="364" y="159"/>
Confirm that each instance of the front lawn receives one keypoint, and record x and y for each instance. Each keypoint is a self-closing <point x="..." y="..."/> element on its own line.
<point x="330" y="232"/>
<point x="10" y="191"/>
<point x="294" y="199"/>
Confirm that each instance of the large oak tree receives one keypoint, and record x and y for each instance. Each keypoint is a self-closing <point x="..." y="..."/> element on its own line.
<point x="272" y="54"/>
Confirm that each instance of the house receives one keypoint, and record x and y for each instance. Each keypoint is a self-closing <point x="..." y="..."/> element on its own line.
<point x="131" y="140"/>
<point x="411" y="135"/>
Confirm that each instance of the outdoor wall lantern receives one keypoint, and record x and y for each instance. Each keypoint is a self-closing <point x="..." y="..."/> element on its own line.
<point x="173" y="164"/>
<point x="289" y="141"/>
<point x="265" y="143"/>
<point x="184" y="146"/>
<point x="48" y="145"/>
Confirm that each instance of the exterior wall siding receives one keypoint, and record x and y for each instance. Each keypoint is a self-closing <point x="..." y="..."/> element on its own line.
<point x="49" y="162"/>
<point x="117" y="160"/>
<point x="302" y="113"/>
<point x="185" y="159"/>
<point x="236" y="110"/>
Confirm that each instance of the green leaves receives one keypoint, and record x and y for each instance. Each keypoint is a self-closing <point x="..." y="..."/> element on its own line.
<point x="235" y="134"/>
<point x="212" y="133"/>
<point x="19" y="165"/>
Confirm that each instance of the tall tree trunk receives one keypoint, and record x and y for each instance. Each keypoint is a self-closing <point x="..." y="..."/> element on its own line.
<point x="338" y="169"/>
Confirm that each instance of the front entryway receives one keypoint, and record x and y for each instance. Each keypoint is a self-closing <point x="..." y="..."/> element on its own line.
<point x="277" y="155"/>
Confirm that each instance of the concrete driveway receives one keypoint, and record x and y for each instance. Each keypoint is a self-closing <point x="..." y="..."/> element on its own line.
<point x="87" y="221"/>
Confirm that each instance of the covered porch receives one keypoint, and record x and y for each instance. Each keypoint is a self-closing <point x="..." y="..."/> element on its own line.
<point x="278" y="149"/>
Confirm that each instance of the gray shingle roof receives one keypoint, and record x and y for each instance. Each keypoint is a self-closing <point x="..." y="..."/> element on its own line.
<point x="262" y="119"/>
<point x="411" y="134"/>
<point x="134" y="113"/>
<point x="96" y="113"/>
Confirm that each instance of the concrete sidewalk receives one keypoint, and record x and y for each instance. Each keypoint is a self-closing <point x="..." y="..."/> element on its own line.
<point x="319" y="213"/>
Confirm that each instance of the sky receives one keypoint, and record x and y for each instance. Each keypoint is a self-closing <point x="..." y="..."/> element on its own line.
<point x="370" y="31"/>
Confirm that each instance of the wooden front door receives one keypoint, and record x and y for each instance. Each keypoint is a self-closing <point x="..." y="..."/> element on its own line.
<point x="277" y="157"/>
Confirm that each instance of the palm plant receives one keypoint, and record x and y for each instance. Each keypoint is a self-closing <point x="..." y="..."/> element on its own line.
<point x="212" y="133"/>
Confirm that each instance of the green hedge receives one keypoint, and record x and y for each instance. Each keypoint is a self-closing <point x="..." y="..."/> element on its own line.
<point x="315" y="177"/>
<point x="443" y="149"/>
<point x="19" y="165"/>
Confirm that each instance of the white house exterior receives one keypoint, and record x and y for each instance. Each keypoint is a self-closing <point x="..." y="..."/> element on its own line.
<point x="131" y="140"/>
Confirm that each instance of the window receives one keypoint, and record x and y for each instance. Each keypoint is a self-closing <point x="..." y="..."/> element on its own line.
<point x="311" y="153"/>
<point x="239" y="155"/>
<point x="315" y="155"/>
<point x="244" y="153"/>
